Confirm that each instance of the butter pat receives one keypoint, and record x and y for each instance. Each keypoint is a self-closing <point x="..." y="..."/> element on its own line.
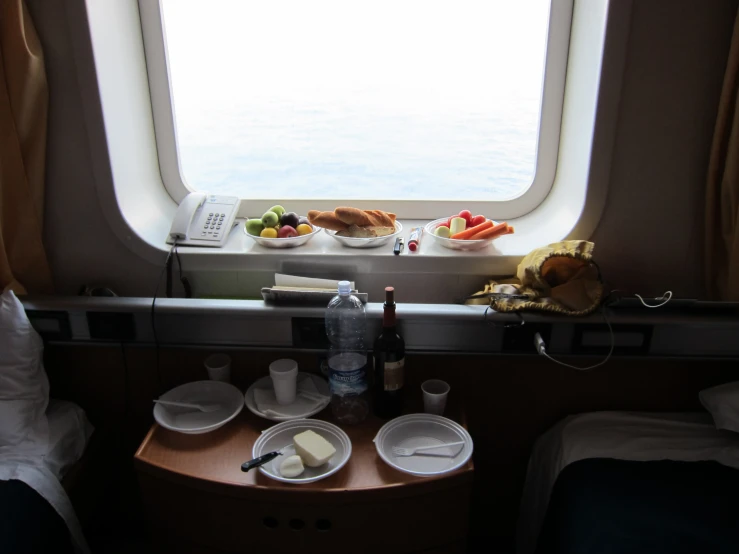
<point x="313" y="448"/>
<point x="292" y="466"/>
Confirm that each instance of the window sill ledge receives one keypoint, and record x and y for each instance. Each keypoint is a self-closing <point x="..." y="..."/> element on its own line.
<point x="500" y="258"/>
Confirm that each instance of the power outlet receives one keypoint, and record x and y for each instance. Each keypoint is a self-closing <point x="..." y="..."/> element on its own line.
<point x="111" y="326"/>
<point x="520" y="340"/>
<point x="310" y="333"/>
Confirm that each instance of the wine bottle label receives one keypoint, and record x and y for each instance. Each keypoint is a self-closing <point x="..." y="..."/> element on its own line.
<point x="394" y="375"/>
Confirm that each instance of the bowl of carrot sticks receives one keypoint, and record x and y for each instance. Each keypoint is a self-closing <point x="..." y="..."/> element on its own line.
<point x="468" y="234"/>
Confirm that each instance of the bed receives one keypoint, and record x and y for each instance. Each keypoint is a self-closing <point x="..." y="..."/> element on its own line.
<point x="610" y="482"/>
<point x="40" y="439"/>
<point x="35" y="511"/>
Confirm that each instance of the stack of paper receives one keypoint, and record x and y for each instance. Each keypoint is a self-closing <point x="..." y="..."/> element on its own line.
<point x="294" y="282"/>
<point x="304" y="291"/>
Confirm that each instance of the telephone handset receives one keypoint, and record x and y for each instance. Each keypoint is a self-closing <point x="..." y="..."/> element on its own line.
<point x="204" y="220"/>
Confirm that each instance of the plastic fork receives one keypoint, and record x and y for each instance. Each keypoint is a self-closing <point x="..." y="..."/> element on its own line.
<point x="398" y="451"/>
<point x="200" y="407"/>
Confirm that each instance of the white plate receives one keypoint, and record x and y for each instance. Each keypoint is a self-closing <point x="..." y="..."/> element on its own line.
<point x="266" y="382"/>
<point x="416" y="430"/>
<point x="281" y="435"/>
<point x="194" y="422"/>
<point x="291" y="242"/>
<point x="372" y="242"/>
<point x="455" y="244"/>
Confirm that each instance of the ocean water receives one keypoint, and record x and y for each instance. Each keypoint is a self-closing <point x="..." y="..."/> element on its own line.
<point x="302" y="107"/>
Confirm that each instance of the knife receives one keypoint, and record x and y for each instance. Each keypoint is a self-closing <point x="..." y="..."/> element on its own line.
<point x="260" y="461"/>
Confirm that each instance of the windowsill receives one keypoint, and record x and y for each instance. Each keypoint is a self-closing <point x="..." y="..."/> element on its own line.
<point x="242" y="251"/>
<point x="501" y="257"/>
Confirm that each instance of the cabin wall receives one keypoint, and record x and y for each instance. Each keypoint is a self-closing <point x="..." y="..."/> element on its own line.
<point x="648" y="240"/>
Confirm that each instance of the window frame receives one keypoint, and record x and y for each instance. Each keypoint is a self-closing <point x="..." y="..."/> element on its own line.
<point x="552" y="102"/>
<point x="111" y="70"/>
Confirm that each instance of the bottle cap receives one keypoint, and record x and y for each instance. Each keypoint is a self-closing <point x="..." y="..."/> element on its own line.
<point x="345" y="288"/>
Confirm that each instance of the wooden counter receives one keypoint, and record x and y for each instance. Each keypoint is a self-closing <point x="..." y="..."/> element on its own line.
<point x="198" y="499"/>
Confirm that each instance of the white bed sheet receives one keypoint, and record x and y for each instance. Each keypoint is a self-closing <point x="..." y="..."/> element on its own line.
<point x="42" y="460"/>
<point x="69" y="432"/>
<point x="619" y="435"/>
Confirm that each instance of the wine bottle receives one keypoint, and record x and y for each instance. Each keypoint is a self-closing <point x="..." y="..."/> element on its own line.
<point x="389" y="354"/>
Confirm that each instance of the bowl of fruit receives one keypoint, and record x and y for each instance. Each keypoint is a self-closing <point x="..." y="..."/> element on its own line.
<point x="280" y="229"/>
<point x="466" y="232"/>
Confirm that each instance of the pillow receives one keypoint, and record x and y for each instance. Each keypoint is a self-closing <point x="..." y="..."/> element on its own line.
<point x="723" y="403"/>
<point x="24" y="387"/>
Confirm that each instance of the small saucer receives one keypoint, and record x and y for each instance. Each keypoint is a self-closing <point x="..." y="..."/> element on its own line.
<point x="266" y="382"/>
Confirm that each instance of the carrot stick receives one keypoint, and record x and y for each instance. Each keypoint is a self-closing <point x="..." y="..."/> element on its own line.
<point x="467" y="233"/>
<point x="507" y="231"/>
<point x="493" y="236"/>
<point x="491" y="231"/>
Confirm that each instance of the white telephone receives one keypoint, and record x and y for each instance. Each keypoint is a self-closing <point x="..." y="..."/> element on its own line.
<point x="204" y="220"/>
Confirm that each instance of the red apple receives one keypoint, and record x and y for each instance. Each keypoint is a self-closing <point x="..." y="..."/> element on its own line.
<point x="467" y="216"/>
<point x="445" y="224"/>
<point x="286" y="232"/>
<point x="477" y="220"/>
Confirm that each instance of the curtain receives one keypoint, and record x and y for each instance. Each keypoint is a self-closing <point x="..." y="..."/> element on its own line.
<point x="23" y="110"/>
<point x="722" y="195"/>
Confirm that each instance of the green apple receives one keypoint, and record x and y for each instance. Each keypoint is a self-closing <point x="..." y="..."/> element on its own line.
<point x="443" y="231"/>
<point x="254" y="227"/>
<point x="279" y="210"/>
<point x="270" y="219"/>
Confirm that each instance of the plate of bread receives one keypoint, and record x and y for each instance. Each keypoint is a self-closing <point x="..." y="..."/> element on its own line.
<point x="357" y="228"/>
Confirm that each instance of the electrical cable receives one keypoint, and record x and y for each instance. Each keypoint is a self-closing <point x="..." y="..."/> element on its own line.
<point x="153" y="318"/>
<point x="125" y="425"/>
<point x="183" y="279"/>
<point x="665" y="298"/>
<point x="541" y="347"/>
<point x="126" y="386"/>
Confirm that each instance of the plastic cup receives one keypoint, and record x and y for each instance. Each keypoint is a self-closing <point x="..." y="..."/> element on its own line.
<point x="435" y="392"/>
<point x="284" y="374"/>
<point x="218" y="367"/>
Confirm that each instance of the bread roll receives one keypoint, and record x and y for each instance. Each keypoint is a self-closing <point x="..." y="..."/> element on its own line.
<point x="353" y="216"/>
<point x="380" y="218"/>
<point x="372" y="231"/>
<point x="327" y="220"/>
<point x="382" y="231"/>
<point x="356" y="232"/>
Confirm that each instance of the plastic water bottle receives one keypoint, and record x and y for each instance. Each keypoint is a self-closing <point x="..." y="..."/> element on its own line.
<point x="347" y="359"/>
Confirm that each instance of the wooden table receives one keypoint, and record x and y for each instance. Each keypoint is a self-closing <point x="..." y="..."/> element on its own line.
<point x="198" y="499"/>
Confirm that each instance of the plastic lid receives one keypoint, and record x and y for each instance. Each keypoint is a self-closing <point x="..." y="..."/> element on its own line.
<point x="345" y="288"/>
